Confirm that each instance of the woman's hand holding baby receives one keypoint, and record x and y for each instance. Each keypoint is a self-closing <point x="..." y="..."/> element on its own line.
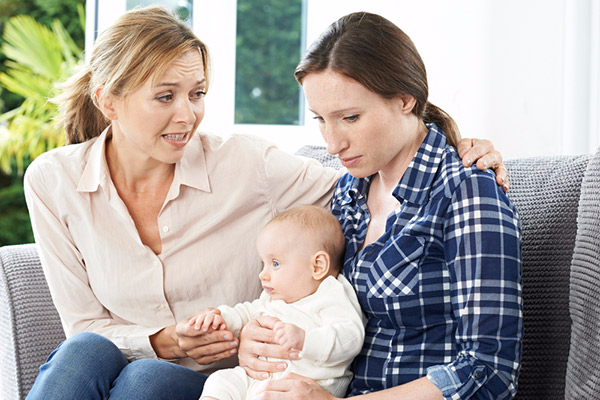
<point x="258" y="339"/>
<point x="204" y="337"/>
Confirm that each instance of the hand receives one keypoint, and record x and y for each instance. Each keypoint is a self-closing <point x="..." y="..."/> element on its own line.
<point x="289" y="336"/>
<point x="294" y="386"/>
<point x="482" y="151"/>
<point x="209" y="319"/>
<point x="258" y="339"/>
<point x="204" y="347"/>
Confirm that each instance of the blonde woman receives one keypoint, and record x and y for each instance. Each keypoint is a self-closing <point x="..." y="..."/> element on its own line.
<point x="141" y="221"/>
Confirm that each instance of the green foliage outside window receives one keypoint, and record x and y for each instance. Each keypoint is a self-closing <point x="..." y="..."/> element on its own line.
<point x="268" y="48"/>
<point x="34" y="57"/>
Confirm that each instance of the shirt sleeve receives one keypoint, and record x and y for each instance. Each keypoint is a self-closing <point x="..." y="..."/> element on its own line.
<point x="341" y="336"/>
<point x="238" y="316"/>
<point x="65" y="270"/>
<point x="291" y="181"/>
<point x="483" y="253"/>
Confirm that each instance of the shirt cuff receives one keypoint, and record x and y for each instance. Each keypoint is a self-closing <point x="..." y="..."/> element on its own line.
<point x="445" y="379"/>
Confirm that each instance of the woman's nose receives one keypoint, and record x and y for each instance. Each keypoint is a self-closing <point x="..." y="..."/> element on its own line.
<point x="185" y="113"/>
<point x="335" y="140"/>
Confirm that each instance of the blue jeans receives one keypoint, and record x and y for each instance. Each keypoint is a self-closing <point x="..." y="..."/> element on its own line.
<point x="89" y="366"/>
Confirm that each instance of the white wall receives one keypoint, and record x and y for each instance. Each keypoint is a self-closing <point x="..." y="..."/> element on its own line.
<point x="499" y="67"/>
<point x="522" y="73"/>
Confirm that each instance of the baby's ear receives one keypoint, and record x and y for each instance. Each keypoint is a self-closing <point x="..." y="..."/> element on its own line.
<point x="320" y="265"/>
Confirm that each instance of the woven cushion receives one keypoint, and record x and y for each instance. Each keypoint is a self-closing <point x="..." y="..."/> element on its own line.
<point x="30" y="327"/>
<point x="583" y="374"/>
<point x="546" y="193"/>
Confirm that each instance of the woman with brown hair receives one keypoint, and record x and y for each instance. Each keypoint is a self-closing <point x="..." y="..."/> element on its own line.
<point x="432" y="247"/>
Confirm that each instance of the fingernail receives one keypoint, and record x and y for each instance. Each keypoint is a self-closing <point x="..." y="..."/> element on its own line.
<point x="468" y="160"/>
<point x="233" y="343"/>
<point x="264" y="376"/>
<point x="233" y="351"/>
<point x="485" y="164"/>
<point x="294" y="355"/>
<point x="281" y="366"/>
<point x="227" y="337"/>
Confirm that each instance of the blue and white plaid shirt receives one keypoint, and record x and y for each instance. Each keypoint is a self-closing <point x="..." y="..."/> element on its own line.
<point x="442" y="287"/>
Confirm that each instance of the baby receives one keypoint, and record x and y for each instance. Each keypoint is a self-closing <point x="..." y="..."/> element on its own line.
<point x="302" y="251"/>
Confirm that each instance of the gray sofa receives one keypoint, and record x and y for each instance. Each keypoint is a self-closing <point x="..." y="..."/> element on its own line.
<point x="558" y="199"/>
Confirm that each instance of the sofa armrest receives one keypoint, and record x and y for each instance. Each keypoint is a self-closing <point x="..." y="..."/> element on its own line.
<point x="583" y="374"/>
<point x="30" y="328"/>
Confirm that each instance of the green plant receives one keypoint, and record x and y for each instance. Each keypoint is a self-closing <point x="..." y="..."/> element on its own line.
<point x="38" y="57"/>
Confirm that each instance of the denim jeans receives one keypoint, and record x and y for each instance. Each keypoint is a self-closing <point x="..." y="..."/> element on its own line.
<point x="89" y="366"/>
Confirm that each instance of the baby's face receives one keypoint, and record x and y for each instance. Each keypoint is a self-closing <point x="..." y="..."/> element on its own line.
<point x="286" y="251"/>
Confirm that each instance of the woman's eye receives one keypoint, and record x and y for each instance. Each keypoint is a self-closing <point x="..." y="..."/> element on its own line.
<point x="351" y="118"/>
<point x="199" y="94"/>
<point x="319" y="119"/>
<point x="165" y="98"/>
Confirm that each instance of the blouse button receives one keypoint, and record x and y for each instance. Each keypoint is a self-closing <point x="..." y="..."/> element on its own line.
<point x="156" y="263"/>
<point x="165" y="229"/>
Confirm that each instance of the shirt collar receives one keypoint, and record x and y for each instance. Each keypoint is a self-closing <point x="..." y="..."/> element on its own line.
<point x="191" y="170"/>
<point x="415" y="185"/>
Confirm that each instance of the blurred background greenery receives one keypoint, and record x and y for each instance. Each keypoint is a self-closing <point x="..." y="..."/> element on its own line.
<point x="40" y="42"/>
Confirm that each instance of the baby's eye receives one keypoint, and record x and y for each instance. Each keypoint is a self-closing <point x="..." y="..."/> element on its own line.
<point x="275" y="263"/>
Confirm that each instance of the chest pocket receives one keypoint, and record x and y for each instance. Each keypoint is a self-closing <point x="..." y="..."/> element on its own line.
<point x="395" y="270"/>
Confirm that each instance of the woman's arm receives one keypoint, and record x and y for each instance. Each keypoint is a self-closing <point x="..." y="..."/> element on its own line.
<point x="294" y="386"/>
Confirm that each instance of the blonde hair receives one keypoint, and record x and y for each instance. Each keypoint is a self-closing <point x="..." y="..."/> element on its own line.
<point x="140" y="44"/>
<point x="320" y="224"/>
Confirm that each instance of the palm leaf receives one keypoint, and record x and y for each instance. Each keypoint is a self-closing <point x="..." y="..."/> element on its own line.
<point x="33" y="45"/>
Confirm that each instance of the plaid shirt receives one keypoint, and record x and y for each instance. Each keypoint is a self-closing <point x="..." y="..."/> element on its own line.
<point x="442" y="287"/>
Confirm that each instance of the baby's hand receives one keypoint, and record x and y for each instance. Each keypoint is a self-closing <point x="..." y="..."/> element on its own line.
<point x="209" y="319"/>
<point x="289" y="336"/>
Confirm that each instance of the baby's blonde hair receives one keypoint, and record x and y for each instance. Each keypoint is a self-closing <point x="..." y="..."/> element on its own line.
<point x="140" y="44"/>
<point x="321" y="224"/>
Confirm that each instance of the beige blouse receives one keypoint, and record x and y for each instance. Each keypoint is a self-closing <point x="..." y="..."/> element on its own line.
<point x="105" y="280"/>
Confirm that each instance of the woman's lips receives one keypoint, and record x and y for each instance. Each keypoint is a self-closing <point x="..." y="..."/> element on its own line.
<point x="350" y="162"/>
<point x="176" y="139"/>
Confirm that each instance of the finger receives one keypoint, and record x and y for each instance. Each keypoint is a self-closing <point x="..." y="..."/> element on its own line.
<point x="261" y="369"/>
<point x="480" y="148"/>
<point x="493" y="159"/>
<point x="218" y="322"/>
<point x="267" y="321"/>
<point x="210" y="358"/>
<point x="198" y="348"/>
<point x="464" y="145"/>
<point x="502" y="177"/>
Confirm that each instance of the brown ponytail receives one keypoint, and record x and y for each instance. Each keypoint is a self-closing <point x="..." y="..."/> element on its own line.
<point x="377" y="54"/>
<point x="78" y="113"/>
<point x="139" y="45"/>
<point x="432" y="113"/>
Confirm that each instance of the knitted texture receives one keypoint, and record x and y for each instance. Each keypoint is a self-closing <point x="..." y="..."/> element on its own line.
<point x="30" y="327"/>
<point x="583" y="375"/>
<point x="546" y="192"/>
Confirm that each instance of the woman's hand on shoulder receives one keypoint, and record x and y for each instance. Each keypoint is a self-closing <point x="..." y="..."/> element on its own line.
<point x="483" y="152"/>
<point x="293" y="386"/>
<point x="258" y="339"/>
